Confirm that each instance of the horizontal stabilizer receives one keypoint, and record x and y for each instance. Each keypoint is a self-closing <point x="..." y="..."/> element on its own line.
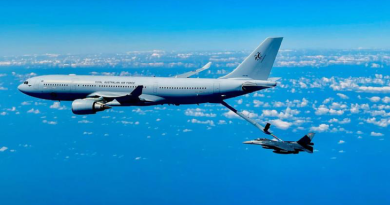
<point x="274" y="79"/>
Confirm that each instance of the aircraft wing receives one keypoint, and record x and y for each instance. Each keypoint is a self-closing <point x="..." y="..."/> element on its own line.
<point x="191" y="73"/>
<point x="118" y="95"/>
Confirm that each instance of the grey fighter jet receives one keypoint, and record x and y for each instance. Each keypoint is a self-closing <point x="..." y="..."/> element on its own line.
<point x="285" y="147"/>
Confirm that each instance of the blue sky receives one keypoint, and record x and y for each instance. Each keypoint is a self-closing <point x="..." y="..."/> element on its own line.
<point x="104" y="26"/>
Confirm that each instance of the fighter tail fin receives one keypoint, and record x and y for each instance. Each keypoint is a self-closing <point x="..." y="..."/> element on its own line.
<point x="306" y="143"/>
<point x="306" y="140"/>
<point x="259" y="63"/>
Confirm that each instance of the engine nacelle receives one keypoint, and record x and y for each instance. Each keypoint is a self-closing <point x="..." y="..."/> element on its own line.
<point x="87" y="106"/>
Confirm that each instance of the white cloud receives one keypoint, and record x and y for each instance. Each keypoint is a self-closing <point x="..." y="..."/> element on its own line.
<point x="354" y="108"/>
<point x="270" y="113"/>
<point x="375" y="99"/>
<point x="342" y="96"/>
<point x="222" y="122"/>
<point x="288" y="113"/>
<point x="198" y="113"/>
<point x="139" y="111"/>
<point x="376" y="134"/>
<point x="323" y="110"/>
<point x="13" y="109"/>
<point x="336" y="105"/>
<point x="327" y="100"/>
<point x="302" y="85"/>
<point x="303" y="103"/>
<point x="126" y="122"/>
<point x="231" y="114"/>
<point x="257" y="103"/>
<point x="371" y="89"/>
<point x="207" y="122"/>
<point x="2" y="149"/>
<point x="187" y="130"/>
<point x="84" y="122"/>
<point x="33" y="111"/>
<point x="341" y="142"/>
<point x="344" y="121"/>
<point x="57" y="105"/>
<point x="49" y="122"/>
<point x="386" y="99"/>
<point x="320" y="128"/>
<point x="382" y="122"/>
<point x="281" y="124"/>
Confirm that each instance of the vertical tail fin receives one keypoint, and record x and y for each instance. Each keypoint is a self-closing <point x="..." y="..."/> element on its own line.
<point x="306" y="143"/>
<point x="306" y="139"/>
<point x="259" y="63"/>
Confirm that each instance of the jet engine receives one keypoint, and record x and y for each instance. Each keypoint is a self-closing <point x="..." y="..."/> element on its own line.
<point x="87" y="106"/>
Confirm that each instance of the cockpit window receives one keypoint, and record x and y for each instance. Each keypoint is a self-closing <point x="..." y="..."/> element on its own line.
<point x="25" y="82"/>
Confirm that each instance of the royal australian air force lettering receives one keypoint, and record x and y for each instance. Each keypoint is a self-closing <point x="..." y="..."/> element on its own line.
<point x="91" y="94"/>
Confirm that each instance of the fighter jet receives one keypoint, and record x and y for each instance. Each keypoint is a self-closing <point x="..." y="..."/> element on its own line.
<point x="285" y="147"/>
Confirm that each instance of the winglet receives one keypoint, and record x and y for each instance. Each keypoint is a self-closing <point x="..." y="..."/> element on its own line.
<point x="191" y="73"/>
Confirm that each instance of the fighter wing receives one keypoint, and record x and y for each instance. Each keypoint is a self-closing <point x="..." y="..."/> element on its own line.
<point x="191" y="73"/>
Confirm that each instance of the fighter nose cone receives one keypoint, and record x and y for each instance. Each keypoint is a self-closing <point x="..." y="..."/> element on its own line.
<point x="248" y="142"/>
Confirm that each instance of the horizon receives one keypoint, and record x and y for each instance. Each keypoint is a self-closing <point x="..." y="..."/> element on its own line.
<point x="100" y="26"/>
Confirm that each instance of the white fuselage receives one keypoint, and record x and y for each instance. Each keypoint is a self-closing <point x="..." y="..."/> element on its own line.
<point x="156" y="90"/>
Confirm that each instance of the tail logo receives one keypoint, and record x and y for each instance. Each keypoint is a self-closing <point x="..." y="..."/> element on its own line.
<point x="258" y="56"/>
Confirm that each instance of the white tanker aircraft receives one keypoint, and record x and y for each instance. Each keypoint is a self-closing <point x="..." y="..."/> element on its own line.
<point x="91" y="94"/>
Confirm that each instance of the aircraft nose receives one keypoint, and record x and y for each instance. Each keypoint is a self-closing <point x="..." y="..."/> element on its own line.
<point x="22" y="88"/>
<point x="248" y="142"/>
